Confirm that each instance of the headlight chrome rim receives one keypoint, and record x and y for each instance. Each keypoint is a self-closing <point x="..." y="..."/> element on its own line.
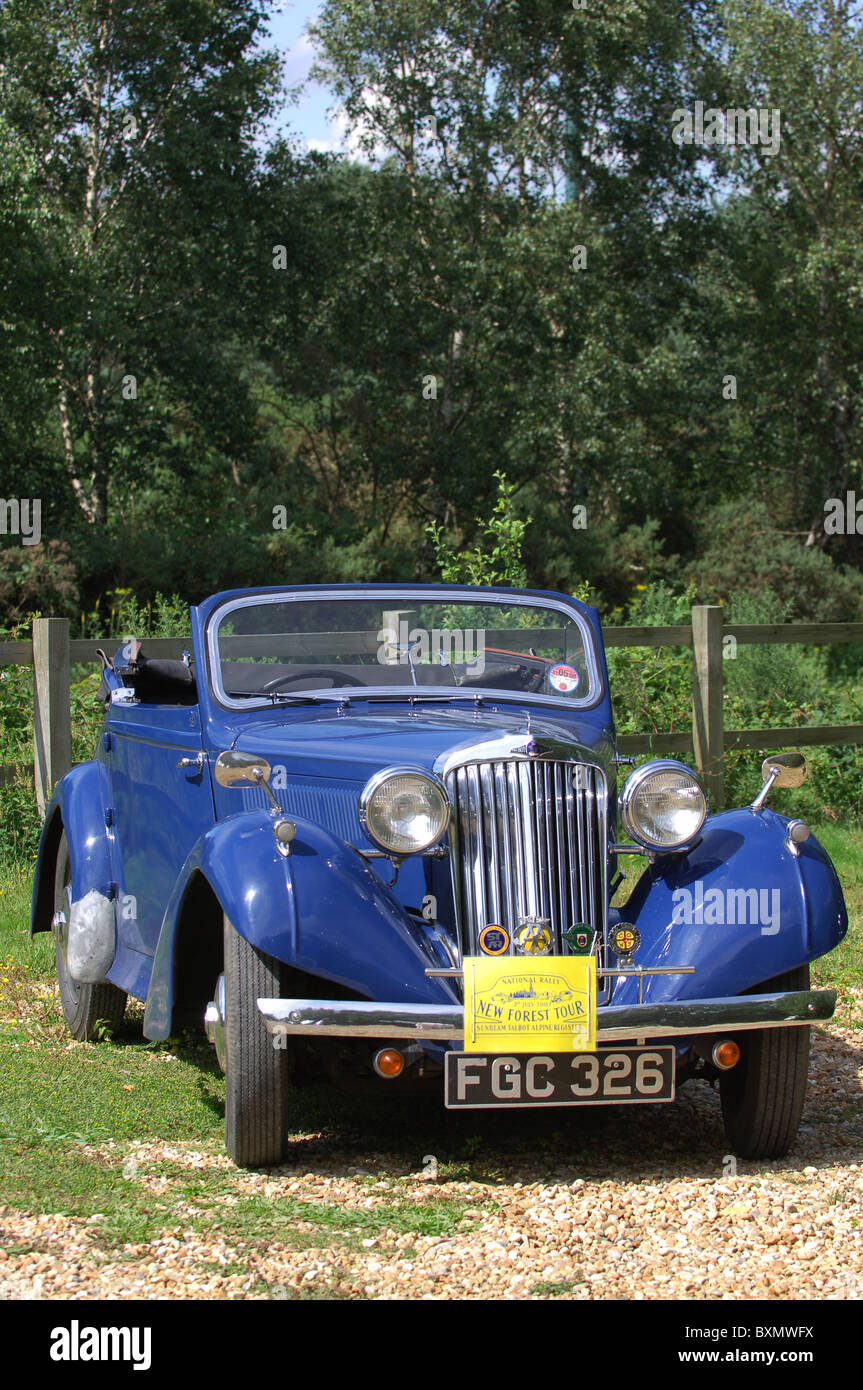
<point x="366" y="810"/>
<point x="634" y="785"/>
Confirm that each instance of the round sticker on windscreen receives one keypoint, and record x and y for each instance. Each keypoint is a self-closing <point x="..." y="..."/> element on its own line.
<point x="563" y="678"/>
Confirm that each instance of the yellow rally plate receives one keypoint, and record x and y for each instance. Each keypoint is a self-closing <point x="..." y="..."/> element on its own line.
<point x="542" y="1005"/>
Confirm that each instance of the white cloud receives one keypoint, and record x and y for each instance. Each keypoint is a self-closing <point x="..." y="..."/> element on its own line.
<point x="354" y="140"/>
<point x="298" y="60"/>
<point x="347" y="140"/>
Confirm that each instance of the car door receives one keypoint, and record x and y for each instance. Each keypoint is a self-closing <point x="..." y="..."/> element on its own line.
<point x="161" y="804"/>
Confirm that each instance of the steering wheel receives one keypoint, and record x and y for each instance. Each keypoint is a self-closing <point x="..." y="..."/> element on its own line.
<point x="336" y="676"/>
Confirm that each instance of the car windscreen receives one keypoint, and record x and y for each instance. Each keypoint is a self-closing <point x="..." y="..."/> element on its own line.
<point x="271" y="647"/>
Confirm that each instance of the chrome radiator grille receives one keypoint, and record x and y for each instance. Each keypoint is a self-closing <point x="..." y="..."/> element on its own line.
<point x="529" y="840"/>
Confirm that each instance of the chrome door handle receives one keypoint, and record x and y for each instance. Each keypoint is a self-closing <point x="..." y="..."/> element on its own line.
<point x="192" y="762"/>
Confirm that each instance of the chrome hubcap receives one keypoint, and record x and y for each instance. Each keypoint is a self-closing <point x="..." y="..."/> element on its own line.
<point x="214" y="1021"/>
<point x="60" y="922"/>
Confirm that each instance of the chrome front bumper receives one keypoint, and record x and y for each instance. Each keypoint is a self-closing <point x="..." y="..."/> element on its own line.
<point x="445" y="1022"/>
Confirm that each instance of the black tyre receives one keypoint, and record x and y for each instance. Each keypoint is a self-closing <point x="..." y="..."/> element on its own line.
<point x="762" y="1097"/>
<point x="256" y="1071"/>
<point x="90" y="1011"/>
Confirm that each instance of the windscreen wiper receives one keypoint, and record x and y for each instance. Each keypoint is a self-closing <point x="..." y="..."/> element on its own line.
<point x="412" y="697"/>
<point x="277" y="696"/>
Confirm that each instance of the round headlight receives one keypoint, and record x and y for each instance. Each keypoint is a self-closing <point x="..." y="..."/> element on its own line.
<point x="662" y="806"/>
<point x="404" y="811"/>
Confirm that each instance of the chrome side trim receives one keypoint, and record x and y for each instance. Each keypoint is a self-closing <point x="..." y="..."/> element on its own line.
<point x="445" y="1022"/>
<point x="363" y="1018"/>
<point x="692" y="1016"/>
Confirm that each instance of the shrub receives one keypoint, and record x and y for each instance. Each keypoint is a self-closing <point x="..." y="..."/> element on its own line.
<point x="496" y="561"/>
<point x="37" y="579"/>
<point x="764" y="686"/>
<point x="118" y="616"/>
<point x="741" y="552"/>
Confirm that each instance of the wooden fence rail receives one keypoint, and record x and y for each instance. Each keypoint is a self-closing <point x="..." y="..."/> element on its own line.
<point x="51" y="652"/>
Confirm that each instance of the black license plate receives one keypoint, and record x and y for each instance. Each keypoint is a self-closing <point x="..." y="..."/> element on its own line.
<point x="618" y="1076"/>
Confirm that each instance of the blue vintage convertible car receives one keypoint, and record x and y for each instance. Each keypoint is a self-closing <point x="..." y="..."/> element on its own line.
<point x="373" y="833"/>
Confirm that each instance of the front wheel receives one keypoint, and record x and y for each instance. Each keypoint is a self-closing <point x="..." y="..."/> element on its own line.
<point x="762" y="1096"/>
<point x="90" y="1011"/>
<point x="256" y="1069"/>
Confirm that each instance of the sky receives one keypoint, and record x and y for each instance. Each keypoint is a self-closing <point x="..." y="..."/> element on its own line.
<point x="308" y="120"/>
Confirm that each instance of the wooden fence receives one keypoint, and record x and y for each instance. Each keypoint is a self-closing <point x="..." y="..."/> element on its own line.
<point x="51" y="653"/>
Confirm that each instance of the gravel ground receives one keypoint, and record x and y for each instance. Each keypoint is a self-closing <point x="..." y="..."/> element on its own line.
<point x="661" y="1215"/>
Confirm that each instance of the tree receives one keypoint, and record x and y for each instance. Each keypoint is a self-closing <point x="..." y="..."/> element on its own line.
<point x="498" y="560"/>
<point x="542" y="325"/>
<point x="132" y="178"/>
<point x="782" y="292"/>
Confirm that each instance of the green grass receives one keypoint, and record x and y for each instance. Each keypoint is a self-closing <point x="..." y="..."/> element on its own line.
<point x="554" y="1288"/>
<point x="842" y="969"/>
<point x="72" y="1113"/>
<point x="16" y="884"/>
<point x="117" y="1090"/>
<point x="52" y="1172"/>
<point x="60" y="1100"/>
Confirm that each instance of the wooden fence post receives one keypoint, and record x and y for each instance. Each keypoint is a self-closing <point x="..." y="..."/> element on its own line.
<point x="707" y="713"/>
<point x="392" y="621"/>
<point x="52" y="722"/>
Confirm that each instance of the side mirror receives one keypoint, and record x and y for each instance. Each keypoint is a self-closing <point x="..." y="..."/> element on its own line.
<point x="789" y="768"/>
<point x="780" y="770"/>
<point x="241" y="770"/>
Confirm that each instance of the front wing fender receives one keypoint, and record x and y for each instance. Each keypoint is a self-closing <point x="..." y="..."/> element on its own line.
<point x="741" y="908"/>
<point x="321" y="909"/>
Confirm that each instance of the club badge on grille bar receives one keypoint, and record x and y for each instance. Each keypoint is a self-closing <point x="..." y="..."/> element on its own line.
<point x="533" y="937"/>
<point x="579" y="939"/>
<point x="494" y="940"/>
<point x="624" y="940"/>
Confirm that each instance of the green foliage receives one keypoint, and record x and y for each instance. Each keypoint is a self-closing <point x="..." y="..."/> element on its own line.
<point x="37" y="579"/>
<point x="651" y="687"/>
<point x="19" y="818"/>
<point x="783" y="279"/>
<point x="742" y="550"/>
<point x="487" y="346"/>
<point x="120" y="615"/>
<point x="124" y="205"/>
<point x="499" y="560"/>
<point x="303" y="556"/>
<point x="764" y="686"/>
<point x="774" y="680"/>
